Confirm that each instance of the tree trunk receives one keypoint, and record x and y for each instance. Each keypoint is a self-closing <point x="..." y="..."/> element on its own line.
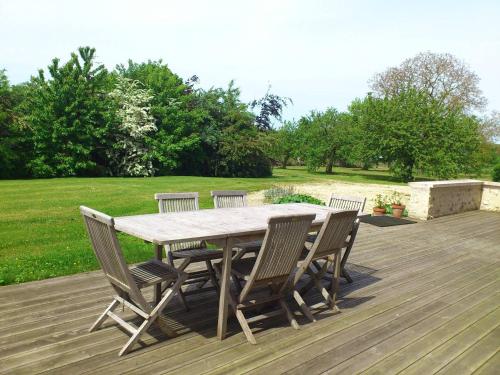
<point x="329" y="166"/>
<point x="284" y="163"/>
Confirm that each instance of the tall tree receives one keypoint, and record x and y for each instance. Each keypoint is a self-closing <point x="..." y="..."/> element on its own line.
<point x="269" y="107"/>
<point x="14" y="139"/>
<point x="177" y="145"/>
<point x="323" y="138"/>
<point x="440" y="75"/>
<point x="416" y="133"/>
<point x="70" y="115"/>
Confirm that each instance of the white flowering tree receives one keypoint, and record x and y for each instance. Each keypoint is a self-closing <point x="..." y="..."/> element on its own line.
<point x="130" y="155"/>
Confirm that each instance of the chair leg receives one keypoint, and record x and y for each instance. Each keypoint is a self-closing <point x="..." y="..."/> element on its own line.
<point x="135" y="337"/>
<point x="104" y="315"/>
<point x="182" y="299"/>
<point x="303" y="306"/>
<point x="289" y="314"/>
<point x="237" y="284"/>
<point x="335" y="281"/>
<point x="211" y="273"/>
<point x="245" y="327"/>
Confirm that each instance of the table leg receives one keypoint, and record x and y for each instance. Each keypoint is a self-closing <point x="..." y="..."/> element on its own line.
<point x="158" y="256"/>
<point x="224" y="289"/>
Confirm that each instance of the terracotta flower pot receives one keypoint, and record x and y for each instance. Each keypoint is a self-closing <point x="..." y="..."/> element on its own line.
<point x="378" y="211"/>
<point x="397" y="210"/>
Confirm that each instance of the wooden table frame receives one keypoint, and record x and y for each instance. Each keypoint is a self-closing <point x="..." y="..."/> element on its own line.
<point x="224" y="227"/>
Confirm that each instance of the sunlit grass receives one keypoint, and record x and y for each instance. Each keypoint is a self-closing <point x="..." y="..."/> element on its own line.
<point x="42" y="233"/>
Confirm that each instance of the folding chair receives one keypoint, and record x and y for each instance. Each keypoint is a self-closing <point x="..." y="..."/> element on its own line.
<point x="193" y="251"/>
<point x="345" y="203"/>
<point x="267" y="276"/>
<point x="231" y="199"/>
<point x="128" y="283"/>
<point x="327" y="247"/>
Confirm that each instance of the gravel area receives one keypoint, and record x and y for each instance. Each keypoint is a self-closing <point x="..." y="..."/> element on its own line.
<point x="324" y="190"/>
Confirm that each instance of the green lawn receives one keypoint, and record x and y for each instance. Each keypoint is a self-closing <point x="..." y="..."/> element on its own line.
<point x="42" y="233"/>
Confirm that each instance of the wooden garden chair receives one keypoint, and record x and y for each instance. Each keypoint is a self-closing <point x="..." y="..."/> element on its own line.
<point x="190" y="252"/>
<point x="327" y="248"/>
<point x="128" y="282"/>
<point x="231" y="199"/>
<point x="345" y="203"/>
<point x="270" y="272"/>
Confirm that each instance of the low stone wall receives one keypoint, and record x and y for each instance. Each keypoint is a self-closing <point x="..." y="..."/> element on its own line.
<point x="491" y="196"/>
<point x="433" y="199"/>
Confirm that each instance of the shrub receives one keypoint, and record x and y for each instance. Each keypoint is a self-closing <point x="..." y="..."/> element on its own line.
<point x="495" y="174"/>
<point x="298" y="198"/>
<point x="270" y="195"/>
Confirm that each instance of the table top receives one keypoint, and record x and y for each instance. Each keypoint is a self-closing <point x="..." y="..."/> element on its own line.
<point x="212" y="223"/>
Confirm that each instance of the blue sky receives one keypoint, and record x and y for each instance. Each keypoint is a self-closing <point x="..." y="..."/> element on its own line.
<point x="319" y="53"/>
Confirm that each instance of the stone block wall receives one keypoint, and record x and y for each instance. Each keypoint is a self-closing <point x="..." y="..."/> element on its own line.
<point x="491" y="196"/>
<point x="433" y="199"/>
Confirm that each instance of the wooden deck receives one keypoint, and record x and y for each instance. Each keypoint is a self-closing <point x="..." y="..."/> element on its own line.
<point x="424" y="300"/>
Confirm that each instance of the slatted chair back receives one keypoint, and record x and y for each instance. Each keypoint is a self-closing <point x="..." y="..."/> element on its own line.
<point x="229" y="198"/>
<point x="101" y="230"/>
<point x="347" y="203"/>
<point x="280" y="251"/>
<point x="179" y="202"/>
<point x="333" y="233"/>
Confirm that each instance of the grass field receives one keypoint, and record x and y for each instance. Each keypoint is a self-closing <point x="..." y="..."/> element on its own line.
<point x="42" y="233"/>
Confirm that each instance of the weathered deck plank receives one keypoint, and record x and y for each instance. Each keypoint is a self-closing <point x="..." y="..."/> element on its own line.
<point x="424" y="299"/>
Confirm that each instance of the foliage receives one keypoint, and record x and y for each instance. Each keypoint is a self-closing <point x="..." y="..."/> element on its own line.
<point x="14" y="145"/>
<point x="327" y="138"/>
<point x="396" y="198"/>
<point x="380" y="201"/>
<point x="70" y="116"/>
<point x="298" y="198"/>
<point x="413" y="132"/>
<point x="129" y="154"/>
<point x="241" y="155"/>
<point x="276" y="192"/>
<point x="177" y="143"/>
<point x="441" y="76"/>
<point x="283" y="143"/>
<point x="270" y="107"/>
<point x="495" y="175"/>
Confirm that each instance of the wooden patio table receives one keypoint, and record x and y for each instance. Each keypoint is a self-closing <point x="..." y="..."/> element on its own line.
<point x="224" y="227"/>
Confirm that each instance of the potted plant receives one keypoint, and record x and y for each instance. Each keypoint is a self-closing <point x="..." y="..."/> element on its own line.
<point x="379" y="208"/>
<point x="397" y="207"/>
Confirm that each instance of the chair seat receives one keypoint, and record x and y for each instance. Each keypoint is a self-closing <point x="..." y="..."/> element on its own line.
<point x="153" y="272"/>
<point x="198" y="255"/>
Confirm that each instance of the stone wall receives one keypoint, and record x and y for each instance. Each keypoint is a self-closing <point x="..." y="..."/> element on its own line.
<point x="491" y="196"/>
<point x="433" y="199"/>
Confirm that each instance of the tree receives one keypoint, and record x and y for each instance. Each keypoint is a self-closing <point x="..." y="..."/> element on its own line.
<point x="490" y="127"/>
<point x="415" y="132"/>
<point x="130" y="154"/>
<point x="270" y="107"/>
<point x="323" y="138"/>
<point x="7" y="154"/>
<point x="283" y="143"/>
<point x="70" y="116"/>
<point x="177" y="144"/>
<point x="441" y="76"/>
